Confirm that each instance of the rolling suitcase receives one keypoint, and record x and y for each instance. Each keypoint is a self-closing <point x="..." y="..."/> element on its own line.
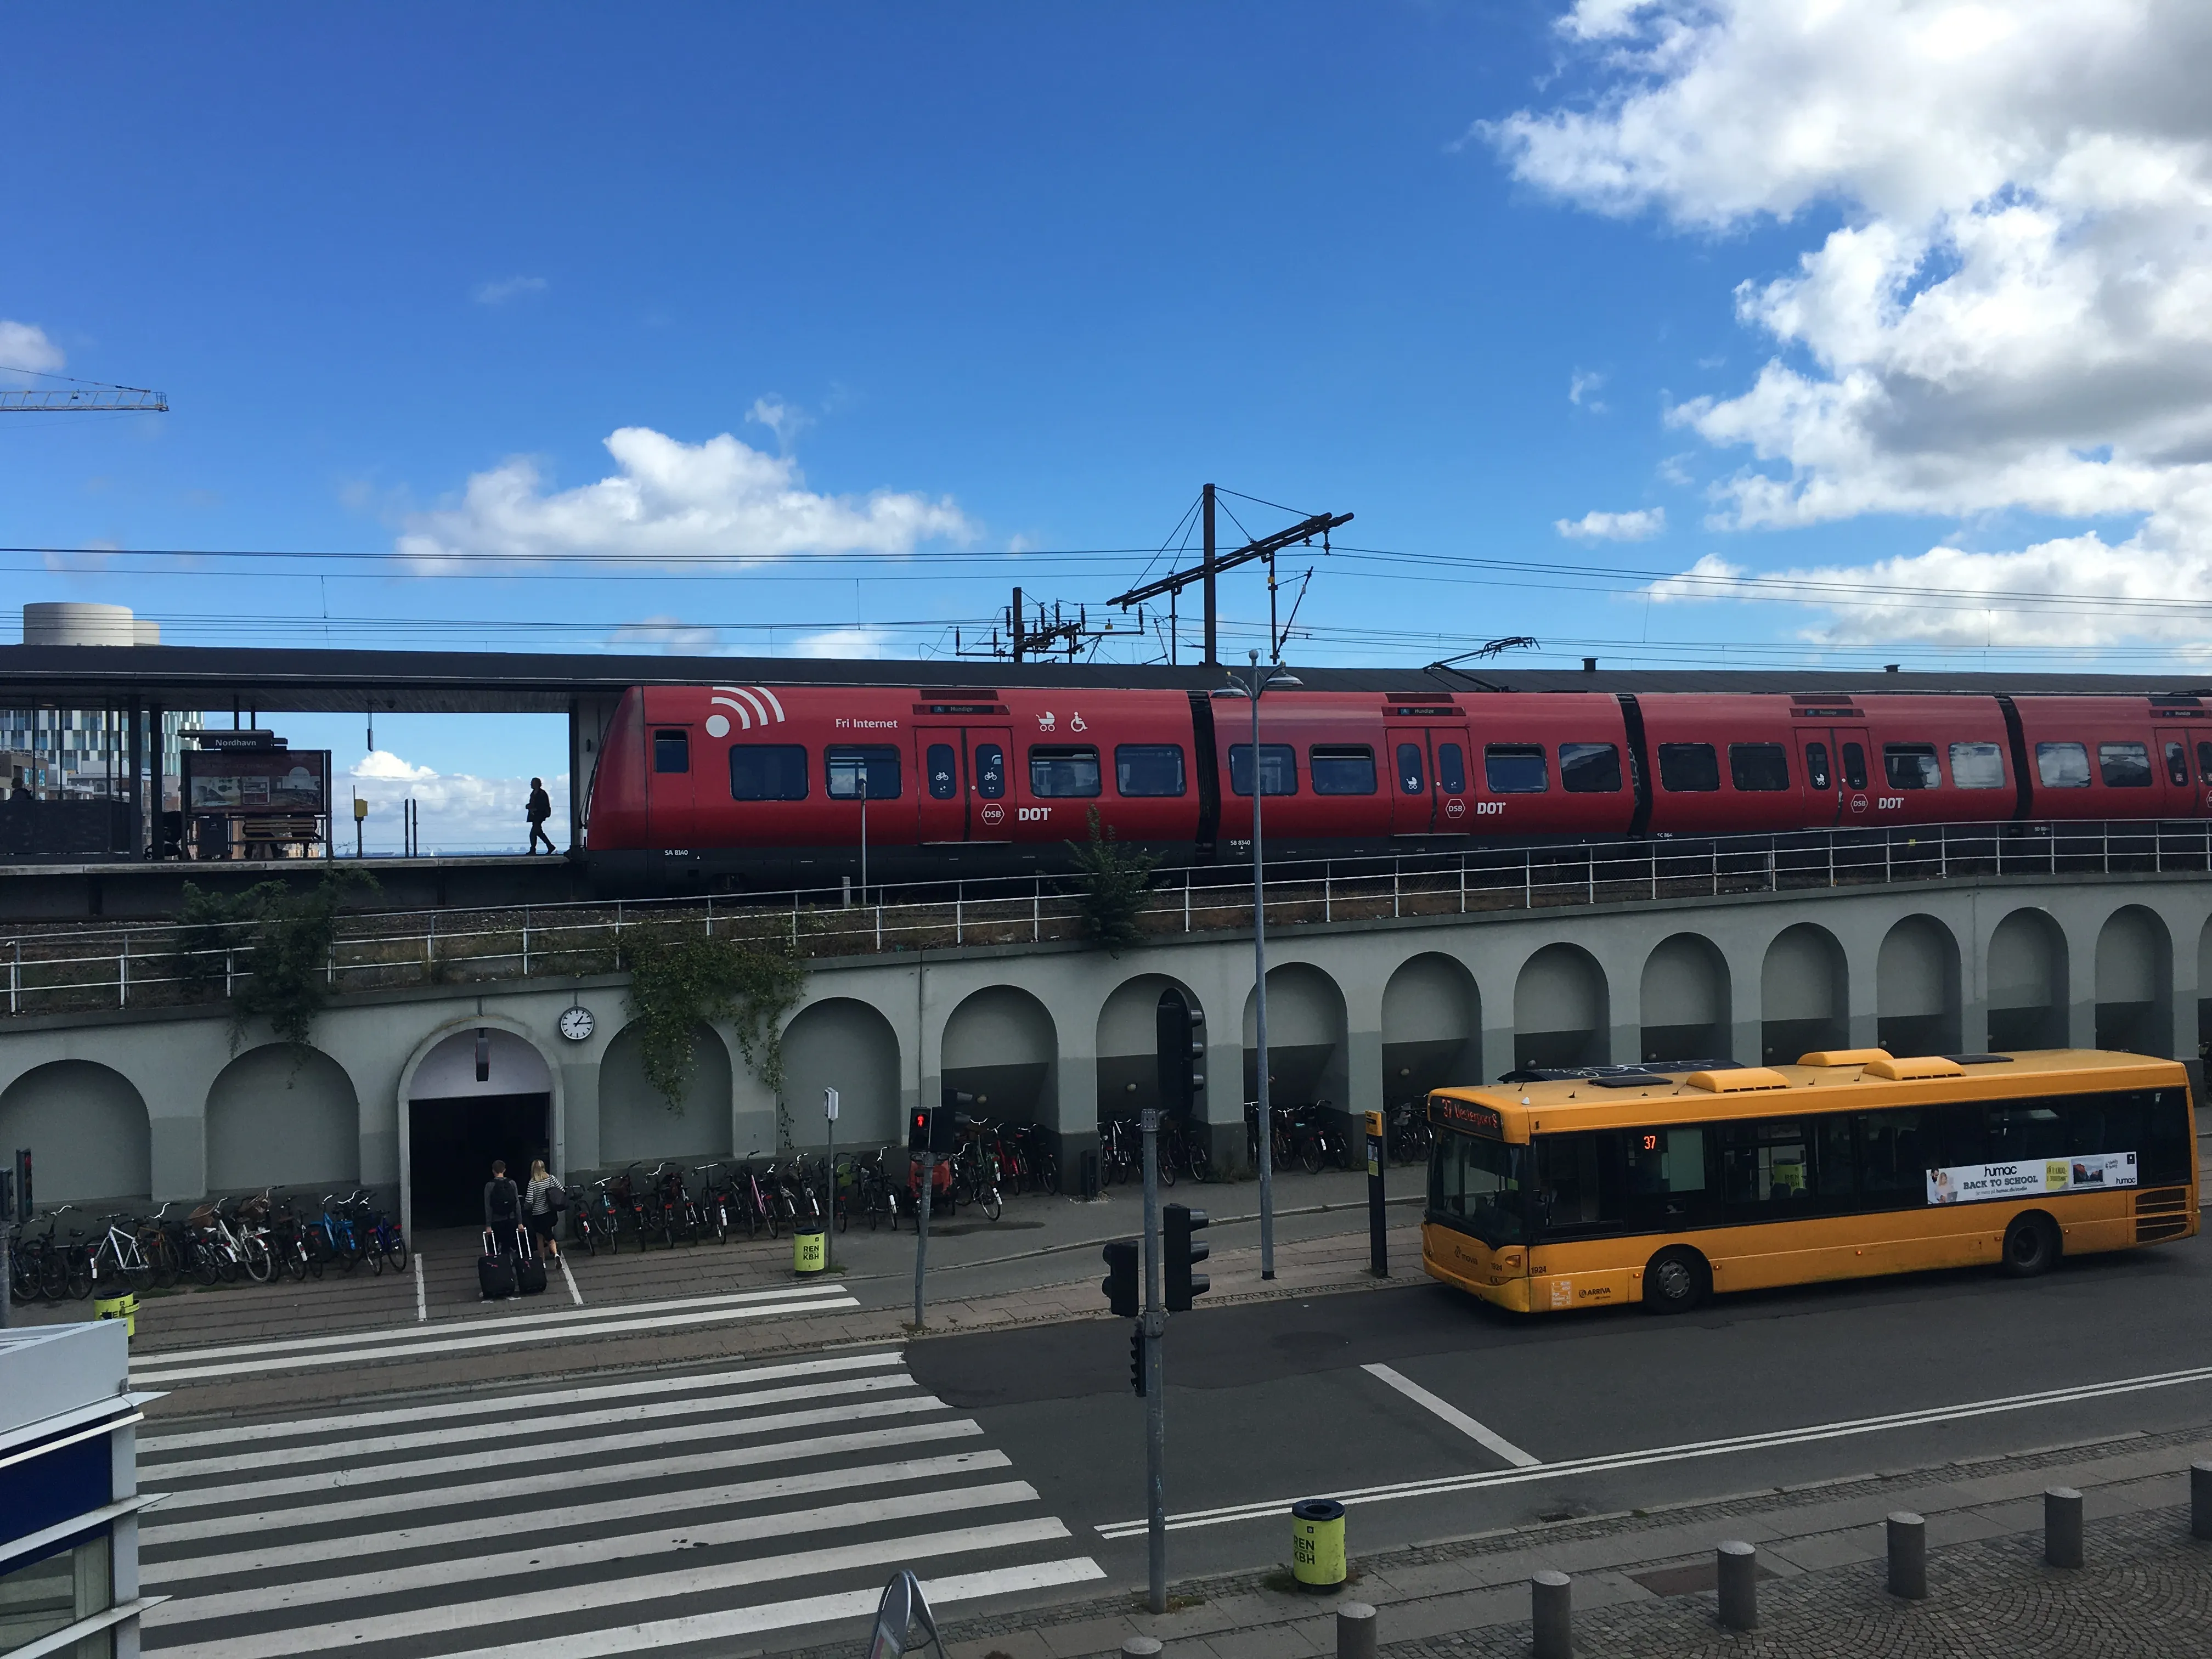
<point x="494" y="1272"/>
<point x="529" y="1266"/>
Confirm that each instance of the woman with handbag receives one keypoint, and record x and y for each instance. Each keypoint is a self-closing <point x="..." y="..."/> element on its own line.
<point x="543" y="1201"/>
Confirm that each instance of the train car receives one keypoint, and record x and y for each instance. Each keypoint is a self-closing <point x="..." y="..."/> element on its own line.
<point x="773" y="786"/>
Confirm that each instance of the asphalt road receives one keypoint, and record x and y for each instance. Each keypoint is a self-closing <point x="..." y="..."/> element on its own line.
<point x="1271" y="1402"/>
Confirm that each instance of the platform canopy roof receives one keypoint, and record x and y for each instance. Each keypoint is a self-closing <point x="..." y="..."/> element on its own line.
<point x="285" y="680"/>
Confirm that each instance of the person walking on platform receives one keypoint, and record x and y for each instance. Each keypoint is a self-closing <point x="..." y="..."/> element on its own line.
<point x="502" y="1207"/>
<point x="539" y="808"/>
<point x="540" y="1207"/>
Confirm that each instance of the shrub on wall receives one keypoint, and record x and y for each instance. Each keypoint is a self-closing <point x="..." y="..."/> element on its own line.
<point x="277" y="941"/>
<point x="749" y="981"/>
<point x="1110" y="884"/>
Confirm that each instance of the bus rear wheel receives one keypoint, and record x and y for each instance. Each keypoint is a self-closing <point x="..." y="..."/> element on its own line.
<point x="2031" y="1246"/>
<point x="1676" y="1281"/>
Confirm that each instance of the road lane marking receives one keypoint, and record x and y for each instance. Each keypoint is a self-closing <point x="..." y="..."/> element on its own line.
<point x="563" y="1481"/>
<point x="340" y="1479"/>
<point x="296" y="1552"/>
<point x="549" y="1601"/>
<point x="523" y="1333"/>
<point x="575" y="1295"/>
<point x="1488" y="1438"/>
<point x="848" y="1608"/>
<point x="505" y="1405"/>
<point x="158" y="1357"/>
<point x="294" y="1593"/>
<point x="727" y="1408"/>
<point x="1272" y="1509"/>
<point x="422" y="1302"/>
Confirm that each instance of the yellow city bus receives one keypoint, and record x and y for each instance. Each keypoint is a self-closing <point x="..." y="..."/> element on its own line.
<point x="1661" y="1186"/>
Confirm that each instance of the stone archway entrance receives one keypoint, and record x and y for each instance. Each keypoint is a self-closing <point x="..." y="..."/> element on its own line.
<point x="481" y="1094"/>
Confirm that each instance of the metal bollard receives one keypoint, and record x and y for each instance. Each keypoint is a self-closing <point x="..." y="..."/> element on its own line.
<point x="1908" y="1556"/>
<point x="1551" y="1611"/>
<point x="1355" y="1631"/>
<point x="1141" y="1647"/>
<point x="2061" y="1527"/>
<point x="2200" y="1500"/>
<point x="1738" y="1564"/>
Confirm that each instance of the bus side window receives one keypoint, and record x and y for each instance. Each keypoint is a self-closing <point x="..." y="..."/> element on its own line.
<point x="1762" y="1168"/>
<point x="2027" y="1129"/>
<point x="1893" y="1165"/>
<point x="1835" y="1162"/>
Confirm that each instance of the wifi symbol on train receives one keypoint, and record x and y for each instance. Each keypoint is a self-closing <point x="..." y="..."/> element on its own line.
<point x="753" y="705"/>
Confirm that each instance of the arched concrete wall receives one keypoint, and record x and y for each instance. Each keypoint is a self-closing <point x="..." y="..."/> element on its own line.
<point x="88" y="1131"/>
<point x="848" y="1045"/>
<point x="2025" y="983"/>
<point x="1685" y="1003"/>
<point x="1917" y="988"/>
<point x="443" y="1060"/>
<point x="2135" y="981"/>
<point x="447" y="1071"/>
<point x="1804" y="994"/>
<point x="1431" y="1028"/>
<point x="1001" y="1046"/>
<point x="1560" y="1010"/>
<point x="1128" y="1042"/>
<point x="1305" y="1039"/>
<point x="283" y="1115"/>
<point x="636" y="1122"/>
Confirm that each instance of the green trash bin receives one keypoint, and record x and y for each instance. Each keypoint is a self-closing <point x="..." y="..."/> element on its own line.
<point x="1317" y="1545"/>
<point x="809" y="1251"/>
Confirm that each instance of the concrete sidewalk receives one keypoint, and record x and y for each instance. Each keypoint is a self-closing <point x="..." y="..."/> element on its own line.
<point x="1642" y="1580"/>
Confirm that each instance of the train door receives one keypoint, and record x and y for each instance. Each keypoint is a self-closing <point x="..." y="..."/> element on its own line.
<point x="1859" y="782"/>
<point x="990" y="755"/>
<point x="2171" y="765"/>
<point x="1823" y="775"/>
<point x="944" y="805"/>
<point x="671" y="803"/>
<point x="1413" y="798"/>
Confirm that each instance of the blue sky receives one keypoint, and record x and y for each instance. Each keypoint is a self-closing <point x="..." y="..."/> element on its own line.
<point x="970" y="279"/>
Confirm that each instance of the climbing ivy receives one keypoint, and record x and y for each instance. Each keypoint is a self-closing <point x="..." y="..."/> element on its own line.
<point x="748" y="979"/>
<point x="1110" y="884"/>
<point x="277" y="937"/>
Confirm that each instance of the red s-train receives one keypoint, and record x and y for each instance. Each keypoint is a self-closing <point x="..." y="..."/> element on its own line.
<point x="763" y="785"/>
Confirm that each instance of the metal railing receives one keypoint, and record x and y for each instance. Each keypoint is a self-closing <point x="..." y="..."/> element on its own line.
<point x="69" y="968"/>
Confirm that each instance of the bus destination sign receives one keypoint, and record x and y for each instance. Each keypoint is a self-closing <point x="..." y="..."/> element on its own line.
<point x="1466" y="1116"/>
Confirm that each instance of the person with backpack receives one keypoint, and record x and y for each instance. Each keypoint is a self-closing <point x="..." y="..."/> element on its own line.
<point x="539" y="808"/>
<point x="502" y="1204"/>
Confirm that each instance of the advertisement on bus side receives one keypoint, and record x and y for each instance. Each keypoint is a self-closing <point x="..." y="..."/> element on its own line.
<point x="1968" y="1183"/>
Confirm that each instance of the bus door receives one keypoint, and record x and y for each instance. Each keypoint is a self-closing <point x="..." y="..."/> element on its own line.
<point x="671" y="805"/>
<point x="2185" y="793"/>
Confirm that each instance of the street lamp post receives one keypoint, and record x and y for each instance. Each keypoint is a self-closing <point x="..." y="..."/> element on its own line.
<point x="1264" y="1129"/>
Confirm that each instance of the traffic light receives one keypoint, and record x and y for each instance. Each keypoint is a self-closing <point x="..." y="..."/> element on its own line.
<point x="23" y="1183"/>
<point x="1179" y="1221"/>
<point x="1137" y="1359"/>
<point x="1181" y="1046"/>
<point x="1120" y="1281"/>
<point x="937" y="1129"/>
<point x="917" y="1129"/>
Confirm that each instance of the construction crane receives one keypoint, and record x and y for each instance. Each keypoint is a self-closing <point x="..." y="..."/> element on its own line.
<point x="107" y="399"/>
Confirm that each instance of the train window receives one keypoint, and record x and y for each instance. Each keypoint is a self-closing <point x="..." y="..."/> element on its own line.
<point x="990" y="770"/>
<point x="2177" y="765"/>
<point x="1148" y="768"/>
<point x="1816" y="766"/>
<point x="1279" y="768"/>
<point x="1688" y="767"/>
<point x="1590" y="768"/>
<point x="1341" y="768"/>
<point x="768" y="771"/>
<point x="1855" y="772"/>
<point x="854" y="769"/>
<point x="1515" y="768"/>
<point x="2204" y="761"/>
<point x="2062" y="765"/>
<point x="1451" y="768"/>
<point x="1977" y="766"/>
<point x="1063" y="770"/>
<point x="2124" y="765"/>
<point x="1411" y="769"/>
<point x="1759" y="766"/>
<point x="671" y="751"/>
<point x="1912" y="766"/>
<point x="942" y="764"/>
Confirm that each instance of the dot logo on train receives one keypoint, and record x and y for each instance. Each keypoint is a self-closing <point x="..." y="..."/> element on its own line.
<point x="766" y="786"/>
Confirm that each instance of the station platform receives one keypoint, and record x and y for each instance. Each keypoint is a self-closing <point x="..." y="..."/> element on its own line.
<point x="121" y="890"/>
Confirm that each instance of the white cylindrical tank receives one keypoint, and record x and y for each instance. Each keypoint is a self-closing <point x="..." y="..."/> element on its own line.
<point x="71" y="622"/>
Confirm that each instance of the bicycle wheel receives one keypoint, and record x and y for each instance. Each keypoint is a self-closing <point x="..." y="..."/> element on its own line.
<point x="161" y="1257"/>
<point x="1309" y="1155"/>
<point x="398" y="1246"/>
<point x="139" y="1277"/>
<point x="290" y="1260"/>
<point x="311" y="1262"/>
<point x="260" y="1266"/>
<point x="205" y="1266"/>
<point x="77" y="1279"/>
<point x="1201" y="1162"/>
<point x="1167" y="1165"/>
<point x="992" y="1207"/>
<point x="374" y="1254"/>
<point x="226" y="1263"/>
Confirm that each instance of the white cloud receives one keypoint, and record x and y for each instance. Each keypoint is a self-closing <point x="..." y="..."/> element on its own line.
<point x="785" y="420"/>
<point x="458" y="812"/>
<point x="666" y="634"/>
<point x="844" y="642"/>
<point x="1582" y="391"/>
<point x="25" y="347"/>
<point x="2015" y="311"/>
<point x="507" y="288"/>
<point x="1637" y="526"/>
<point x="670" y="500"/>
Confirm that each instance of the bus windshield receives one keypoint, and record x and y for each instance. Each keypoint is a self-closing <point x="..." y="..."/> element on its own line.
<point x="1475" y="1183"/>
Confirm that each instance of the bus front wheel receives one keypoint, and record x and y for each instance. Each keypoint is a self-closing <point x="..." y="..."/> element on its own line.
<point x="2031" y="1246"/>
<point x="1676" y="1281"/>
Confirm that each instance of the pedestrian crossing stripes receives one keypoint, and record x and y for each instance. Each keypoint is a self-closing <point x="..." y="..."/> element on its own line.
<point x="658" y="1513"/>
<point x="160" y="1369"/>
